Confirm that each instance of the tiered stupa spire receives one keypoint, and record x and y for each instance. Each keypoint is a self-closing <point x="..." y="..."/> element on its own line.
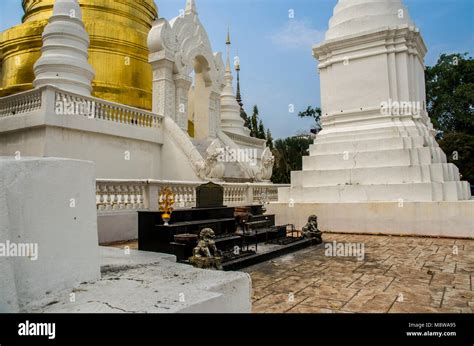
<point x="64" y="59"/>
<point x="230" y="110"/>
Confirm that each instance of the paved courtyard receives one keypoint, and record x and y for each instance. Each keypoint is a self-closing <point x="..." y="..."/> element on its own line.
<point x="397" y="274"/>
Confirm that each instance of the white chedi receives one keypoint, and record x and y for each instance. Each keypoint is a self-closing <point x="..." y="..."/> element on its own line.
<point x="352" y="17"/>
<point x="374" y="145"/>
<point x="231" y="121"/>
<point x="64" y="55"/>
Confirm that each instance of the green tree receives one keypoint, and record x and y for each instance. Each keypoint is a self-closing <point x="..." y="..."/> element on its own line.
<point x="289" y="154"/>
<point x="459" y="149"/>
<point x="450" y="104"/>
<point x="261" y="130"/>
<point x="244" y="116"/>
<point x="269" y="139"/>
<point x="254" y="122"/>
<point x="314" y="113"/>
<point x="450" y="93"/>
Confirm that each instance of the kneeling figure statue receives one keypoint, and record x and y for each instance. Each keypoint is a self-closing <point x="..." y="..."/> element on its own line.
<point x="205" y="254"/>
<point x="311" y="231"/>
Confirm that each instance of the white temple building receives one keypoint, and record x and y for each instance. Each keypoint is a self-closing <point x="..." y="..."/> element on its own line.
<point x="137" y="152"/>
<point x="376" y="166"/>
<point x="74" y="170"/>
<point x="59" y="118"/>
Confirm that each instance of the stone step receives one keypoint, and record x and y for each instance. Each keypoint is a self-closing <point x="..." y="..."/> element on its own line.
<point x="438" y="172"/>
<point x="375" y="158"/>
<point x="379" y="133"/>
<point x="366" y="145"/>
<point x="419" y="192"/>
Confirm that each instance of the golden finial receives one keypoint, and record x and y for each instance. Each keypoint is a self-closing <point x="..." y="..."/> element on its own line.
<point x="228" y="36"/>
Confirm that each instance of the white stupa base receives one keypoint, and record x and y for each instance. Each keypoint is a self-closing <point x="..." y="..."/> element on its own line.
<point x="407" y="192"/>
<point x="439" y="219"/>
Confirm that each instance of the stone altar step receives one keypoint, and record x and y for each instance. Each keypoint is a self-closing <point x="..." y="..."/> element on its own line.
<point x="366" y="145"/>
<point x="419" y="192"/>
<point x="437" y="172"/>
<point x="375" y="158"/>
<point x="261" y="256"/>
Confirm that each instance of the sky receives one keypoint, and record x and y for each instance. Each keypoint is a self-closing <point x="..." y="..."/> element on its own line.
<point x="277" y="67"/>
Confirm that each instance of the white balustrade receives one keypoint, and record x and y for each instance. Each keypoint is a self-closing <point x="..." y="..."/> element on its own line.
<point x="93" y="108"/>
<point x="145" y="194"/>
<point x="20" y="103"/>
<point x="120" y="195"/>
<point x="62" y="102"/>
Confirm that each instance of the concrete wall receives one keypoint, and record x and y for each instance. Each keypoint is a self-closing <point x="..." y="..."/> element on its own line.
<point x="49" y="202"/>
<point x="114" y="226"/>
<point x="445" y="219"/>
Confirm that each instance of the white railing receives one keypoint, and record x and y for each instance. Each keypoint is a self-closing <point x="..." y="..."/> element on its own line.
<point x="56" y="101"/>
<point x="95" y="108"/>
<point x="20" y="103"/>
<point x="113" y="194"/>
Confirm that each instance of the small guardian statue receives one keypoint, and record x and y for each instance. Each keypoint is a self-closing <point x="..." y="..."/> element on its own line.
<point x="311" y="231"/>
<point x="205" y="254"/>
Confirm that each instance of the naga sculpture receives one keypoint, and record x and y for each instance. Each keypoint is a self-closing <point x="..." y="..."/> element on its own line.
<point x="212" y="168"/>
<point x="264" y="171"/>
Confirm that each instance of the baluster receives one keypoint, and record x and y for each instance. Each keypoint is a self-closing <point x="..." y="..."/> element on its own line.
<point x="142" y="196"/>
<point x="106" y="197"/>
<point x="97" y="196"/>
<point x="102" y="197"/>
<point x="121" y="201"/>
<point x="131" y="193"/>
<point x="113" y="197"/>
<point x="127" y="116"/>
<point x="124" y="193"/>
<point x="136" y="193"/>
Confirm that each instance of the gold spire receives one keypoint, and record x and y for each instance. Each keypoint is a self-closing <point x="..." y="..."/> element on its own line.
<point x="228" y="36"/>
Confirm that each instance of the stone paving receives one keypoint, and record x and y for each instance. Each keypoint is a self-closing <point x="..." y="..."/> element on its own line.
<point x="396" y="275"/>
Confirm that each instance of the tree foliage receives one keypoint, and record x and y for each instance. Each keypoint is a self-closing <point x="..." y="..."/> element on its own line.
<point x="450" y="93"/>
<point x="449" y="102"/>
<point x="289" y="154"/>
<point x="459" y="149"/>
<point x="314" y="113"/>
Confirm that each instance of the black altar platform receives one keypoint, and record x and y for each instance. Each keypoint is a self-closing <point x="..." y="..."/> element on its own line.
<point x="153" y="235"/>
<point x="238" y="231"/>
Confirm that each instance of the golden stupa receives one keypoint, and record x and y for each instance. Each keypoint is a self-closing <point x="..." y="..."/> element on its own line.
<point x="118" y="31"/>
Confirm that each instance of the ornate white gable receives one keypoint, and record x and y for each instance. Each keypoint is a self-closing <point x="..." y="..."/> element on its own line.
<point x="177" y="48"/>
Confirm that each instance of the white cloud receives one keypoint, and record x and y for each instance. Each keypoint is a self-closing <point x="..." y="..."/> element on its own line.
<point x="297" y="34"/>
